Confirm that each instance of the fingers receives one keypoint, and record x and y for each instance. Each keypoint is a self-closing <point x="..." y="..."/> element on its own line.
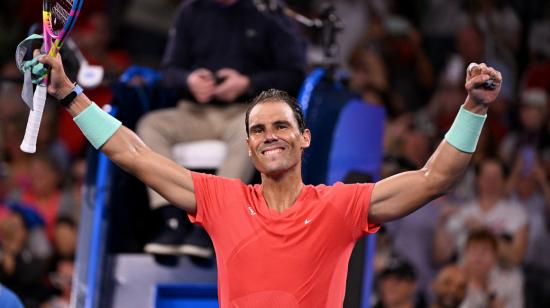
<point x="478" y="74"/>
<point x="204" y="74"/>
<point x="475" y="69"/>
<point x="51" y="61"/>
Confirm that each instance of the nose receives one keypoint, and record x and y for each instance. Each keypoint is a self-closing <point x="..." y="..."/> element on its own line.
<point x="271" y="136"/>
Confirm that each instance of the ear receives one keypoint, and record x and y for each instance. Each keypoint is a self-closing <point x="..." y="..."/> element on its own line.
<point x="306" y="139"/>
<point x="248" y="146"/>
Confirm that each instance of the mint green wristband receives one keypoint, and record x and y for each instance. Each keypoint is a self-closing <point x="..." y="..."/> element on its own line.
<point x="465" y="131"/>
<point x="97" y="125"/>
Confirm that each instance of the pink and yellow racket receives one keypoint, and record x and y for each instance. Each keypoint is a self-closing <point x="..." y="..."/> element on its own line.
<point x="59" y="17"/>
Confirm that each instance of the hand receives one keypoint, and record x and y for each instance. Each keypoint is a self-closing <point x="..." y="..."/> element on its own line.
<point x="233" y="86"/>
<point x="476" y="76"/>
<point x="201" y="83"/>
<point x="59" y="84"/>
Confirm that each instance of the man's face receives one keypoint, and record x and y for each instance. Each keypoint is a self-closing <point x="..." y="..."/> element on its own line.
<point x="395" y="290"/>
<point x="450" y="287"/>
<point x="275" y="143"/>
<point x="491" y="179"/>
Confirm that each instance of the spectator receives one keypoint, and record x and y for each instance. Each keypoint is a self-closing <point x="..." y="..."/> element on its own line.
<point x="220" y="54"/>
<point x="413" y="239"/>
<point x="486" y="285"/>
<point x="66" y="233"/>
<point x="533" y="111"/>
<point x="45" y="193"/>
<point x="528" y="185"/>
<point x="368" y="75"/>
<point x="61" y="280"/>
<point x="449" y="287"/>
<point x="490" y="209"/>
<point x="397" y="286"/>
<point x="20" y="270"/>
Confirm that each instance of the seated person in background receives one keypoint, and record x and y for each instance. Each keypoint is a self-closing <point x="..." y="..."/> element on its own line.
<point x="397" y="286"/>
<point x="220" y="54"/>
<point x="490" y="209"/>
<point x="46" y="194"/>
<point x="488" y="286"/>
<point x="449" y="287"/>
<point x="61" y="280"/>
<point x="20" y="270"/>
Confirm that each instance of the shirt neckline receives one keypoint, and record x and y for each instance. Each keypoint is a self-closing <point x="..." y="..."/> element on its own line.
<point x="265" y="210"/>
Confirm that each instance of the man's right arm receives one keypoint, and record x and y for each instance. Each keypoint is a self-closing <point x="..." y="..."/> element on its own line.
<point x="126" y="149"/>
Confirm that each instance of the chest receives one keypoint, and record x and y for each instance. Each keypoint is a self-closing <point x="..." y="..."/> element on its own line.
<point x="317" y="229"/>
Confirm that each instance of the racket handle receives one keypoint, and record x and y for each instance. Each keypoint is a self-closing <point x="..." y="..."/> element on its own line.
<point x="35" y="116"/>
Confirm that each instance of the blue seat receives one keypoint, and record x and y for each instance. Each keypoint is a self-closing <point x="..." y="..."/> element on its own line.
<point x="357" y="143"/>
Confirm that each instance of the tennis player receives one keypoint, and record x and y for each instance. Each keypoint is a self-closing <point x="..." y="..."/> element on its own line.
<point x="283" y="243"/>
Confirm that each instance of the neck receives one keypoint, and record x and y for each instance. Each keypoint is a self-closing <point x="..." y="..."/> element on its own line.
<point x="487" y="202"/>
<point x="280" y="192"/>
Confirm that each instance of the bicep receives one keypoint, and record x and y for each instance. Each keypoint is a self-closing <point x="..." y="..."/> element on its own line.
<point x="399" y="195"/>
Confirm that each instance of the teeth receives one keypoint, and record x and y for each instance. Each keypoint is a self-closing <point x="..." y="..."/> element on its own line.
<point x="274" y="151"/>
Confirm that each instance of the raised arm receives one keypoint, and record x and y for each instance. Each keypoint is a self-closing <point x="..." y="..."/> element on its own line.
<point x="125" y="149"/>
<point x="404" y="193"/>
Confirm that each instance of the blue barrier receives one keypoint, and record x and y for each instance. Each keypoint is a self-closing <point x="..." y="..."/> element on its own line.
<point x="96" y="250"/>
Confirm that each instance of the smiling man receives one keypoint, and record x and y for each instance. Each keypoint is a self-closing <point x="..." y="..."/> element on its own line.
<point x="283" y="243"/>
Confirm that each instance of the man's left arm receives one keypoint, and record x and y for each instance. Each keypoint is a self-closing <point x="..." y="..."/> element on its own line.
<point x="402" y="194"/>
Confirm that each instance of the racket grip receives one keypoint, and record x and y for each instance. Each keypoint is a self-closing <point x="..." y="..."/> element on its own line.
<point x="35" y="116"/>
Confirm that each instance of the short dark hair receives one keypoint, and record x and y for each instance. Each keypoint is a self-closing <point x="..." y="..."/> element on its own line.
<point x="274" y="95"/>
<point x="482" y="235"/>
<point x="478" y="166"/>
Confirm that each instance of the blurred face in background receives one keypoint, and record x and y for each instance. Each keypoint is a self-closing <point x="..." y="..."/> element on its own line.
<point x="479" y="259"/>
<point x="45" y="178"/>
<point x="490" y="180"/>
<point x="470" y="44"/>
<point x="65" y="239"/>
<point x="449" y="287"/>
<point x="532" y="118"/>
<point x="396" y="291"/>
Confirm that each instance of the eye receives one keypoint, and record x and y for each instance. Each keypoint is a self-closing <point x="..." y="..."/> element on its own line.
<point x="256" y="130"/>
<point x="282" y="126"/>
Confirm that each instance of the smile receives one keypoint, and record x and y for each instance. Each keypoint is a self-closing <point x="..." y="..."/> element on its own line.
<point x="272" y="151"/>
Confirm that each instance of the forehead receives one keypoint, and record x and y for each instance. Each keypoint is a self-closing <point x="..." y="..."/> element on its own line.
<point x="452" y="274"/>
<point x="269" y="112"/>
<point x="491" y="167"/>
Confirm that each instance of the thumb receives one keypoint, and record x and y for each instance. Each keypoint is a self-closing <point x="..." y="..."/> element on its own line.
<point x="225" y="72"/>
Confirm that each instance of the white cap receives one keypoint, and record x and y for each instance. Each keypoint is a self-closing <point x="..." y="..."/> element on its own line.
<point x="535" y="97"/>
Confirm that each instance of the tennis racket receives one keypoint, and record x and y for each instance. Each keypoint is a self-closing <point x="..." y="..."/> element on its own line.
<point x="59" y="17"/>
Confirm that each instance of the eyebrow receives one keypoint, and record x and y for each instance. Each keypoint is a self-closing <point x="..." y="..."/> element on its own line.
<point x="278" y="122"/>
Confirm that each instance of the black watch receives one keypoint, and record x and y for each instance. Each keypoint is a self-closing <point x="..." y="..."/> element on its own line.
<point x="67" y="100"/>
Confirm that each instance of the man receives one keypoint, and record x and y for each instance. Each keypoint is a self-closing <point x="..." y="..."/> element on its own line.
<point x="220" y="54"/>
<point x="397" y="286"/>
<point x="283" y="243"/>
<point x="449" y="287"/>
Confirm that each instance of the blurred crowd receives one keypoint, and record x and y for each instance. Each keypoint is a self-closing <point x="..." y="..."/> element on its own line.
<point x="486" y="244"/>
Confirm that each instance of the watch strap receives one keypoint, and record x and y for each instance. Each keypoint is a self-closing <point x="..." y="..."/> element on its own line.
<point x="67" y="100"/>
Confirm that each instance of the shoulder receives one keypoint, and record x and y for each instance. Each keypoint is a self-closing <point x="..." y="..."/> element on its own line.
<point x="340" y="189"/>
<point x="203" y="181"/>
<point x="512" y="207"/>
